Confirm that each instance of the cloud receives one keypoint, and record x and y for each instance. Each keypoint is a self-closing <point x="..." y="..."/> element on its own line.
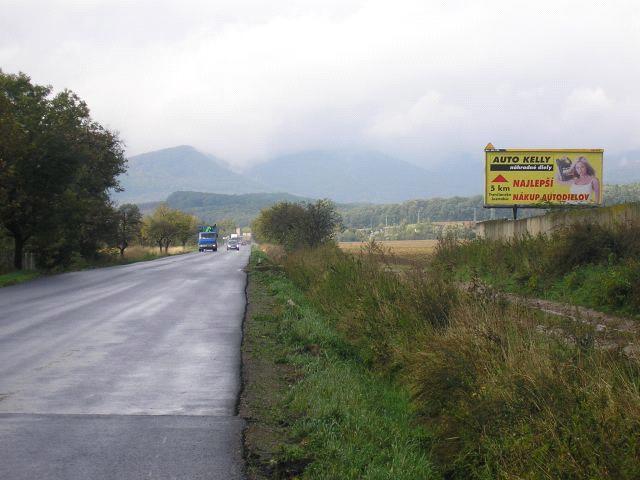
<point x="585" y="102"/>
<point x="429" y="114"/>
<point x="247" y="79"/>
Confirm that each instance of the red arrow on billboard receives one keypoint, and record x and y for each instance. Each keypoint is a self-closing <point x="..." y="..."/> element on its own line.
<point x="499" y="179"/>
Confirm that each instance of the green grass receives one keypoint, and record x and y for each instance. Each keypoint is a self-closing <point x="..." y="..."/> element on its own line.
<point x="589" y="265"/>
<point x="343" y="421"/>
<point x="497" y="396"/>
<point x="20" y="276"/>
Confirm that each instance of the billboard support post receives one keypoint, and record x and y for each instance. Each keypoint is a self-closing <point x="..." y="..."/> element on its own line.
<point x="515" y="212"/>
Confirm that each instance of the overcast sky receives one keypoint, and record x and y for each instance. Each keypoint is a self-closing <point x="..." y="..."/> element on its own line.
<point x="423" y="81"/>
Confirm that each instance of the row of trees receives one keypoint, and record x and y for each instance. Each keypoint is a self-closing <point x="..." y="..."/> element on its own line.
<point x="166" y="226"/>
<point x="57" y="166"/>
<point x="163" y="228"/>
<point x="454" y="208"/>
<point x="296" y="225"/>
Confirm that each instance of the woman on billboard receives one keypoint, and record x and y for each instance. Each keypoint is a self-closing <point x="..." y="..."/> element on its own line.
<point x="581" y="179"/>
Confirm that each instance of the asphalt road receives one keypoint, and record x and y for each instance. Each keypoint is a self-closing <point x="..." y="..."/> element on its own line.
<point x="128" y="372"/>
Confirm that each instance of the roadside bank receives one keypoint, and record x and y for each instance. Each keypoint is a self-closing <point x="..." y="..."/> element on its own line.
<point x="312" y="409"/>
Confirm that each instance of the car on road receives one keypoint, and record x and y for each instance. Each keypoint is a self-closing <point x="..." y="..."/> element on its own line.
<point x="232" y="244"/>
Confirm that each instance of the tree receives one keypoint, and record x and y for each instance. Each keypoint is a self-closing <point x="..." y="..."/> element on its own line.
<point x="56" y="167"/>
<point x="295" y="225"/>
<point x="226" y="226"/>
<point x="166" y="226"/>
<point x="281" y="224"/>
<point x="187" y="227"/>
<point x="128" y="225"/>
<point x="321" y="222"/>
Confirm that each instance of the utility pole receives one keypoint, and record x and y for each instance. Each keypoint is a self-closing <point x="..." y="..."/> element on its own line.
<point x="386" y="223"/>
<point x="418" y="215"/>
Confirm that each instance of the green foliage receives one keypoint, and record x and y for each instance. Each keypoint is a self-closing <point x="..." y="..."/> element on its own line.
<point x="295" y="225"/>
<point x="128" y="222"/>
<point x="344" y="421"/>
<point x="226" y="226"/>
<point x="589" y="264"/>
<point x="167" y="226"/>
<point x="410" y="220"/>
<point x="383" y="309"/>
<point x="425" y="211"/>
<point x="616" y="194"/>
<point x="500" y="397"/>
<point x="20" y="276"/>
<point x="57" y="166"/>
<point x="241" y="209"/>
<point x="401" y="215"/>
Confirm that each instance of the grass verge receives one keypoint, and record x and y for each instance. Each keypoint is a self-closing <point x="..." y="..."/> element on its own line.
<point x="313" y="410"/>
<point x="13" y="278"/>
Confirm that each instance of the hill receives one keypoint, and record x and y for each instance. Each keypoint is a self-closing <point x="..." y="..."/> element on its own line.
<point x="344" y="176"/>
<point x="359" y="176"/>
<point x="243" y="208"/>
<point x="154" y="175"/>
<point x="213" y="207"/>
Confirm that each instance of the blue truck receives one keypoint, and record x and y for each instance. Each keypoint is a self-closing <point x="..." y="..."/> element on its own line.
<point x="208" y="238"/>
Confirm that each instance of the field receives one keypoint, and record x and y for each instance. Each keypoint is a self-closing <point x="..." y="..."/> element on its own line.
<point x="403" y="248"/>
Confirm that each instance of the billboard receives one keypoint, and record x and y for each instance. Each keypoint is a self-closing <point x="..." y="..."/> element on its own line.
<point x="542" y="178"/>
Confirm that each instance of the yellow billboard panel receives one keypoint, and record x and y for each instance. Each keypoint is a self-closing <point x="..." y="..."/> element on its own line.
<point x="542" y="178"/>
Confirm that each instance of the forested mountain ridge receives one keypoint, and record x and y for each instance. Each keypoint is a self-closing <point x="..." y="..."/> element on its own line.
<point x="154" y="175"/>
<point x="214" y="207"/>
<point x="344" y="176"/>
<point x="455" y="208"/>
<point x="341" y="175"/>
<point x="211" y="207"/>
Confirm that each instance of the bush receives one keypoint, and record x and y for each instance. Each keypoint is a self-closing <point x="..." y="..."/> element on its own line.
<point x="295" y="225"/>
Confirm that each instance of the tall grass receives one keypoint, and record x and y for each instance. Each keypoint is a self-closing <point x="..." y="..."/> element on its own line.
<point x="589" y="264"/>
<point x="504" y="399"/>
<point x="343" y="421"/>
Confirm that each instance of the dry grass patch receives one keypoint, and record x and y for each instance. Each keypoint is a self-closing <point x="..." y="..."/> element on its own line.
<point x="400" y="251"/>
<point x="138" y="251"/>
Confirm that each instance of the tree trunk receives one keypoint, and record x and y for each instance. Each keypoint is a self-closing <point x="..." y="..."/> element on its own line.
<point x="18" y="251"/>
<point x="122" y="251"/>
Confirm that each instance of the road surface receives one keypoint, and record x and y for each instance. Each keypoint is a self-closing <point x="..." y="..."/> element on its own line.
<point x="128" y="372"/>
